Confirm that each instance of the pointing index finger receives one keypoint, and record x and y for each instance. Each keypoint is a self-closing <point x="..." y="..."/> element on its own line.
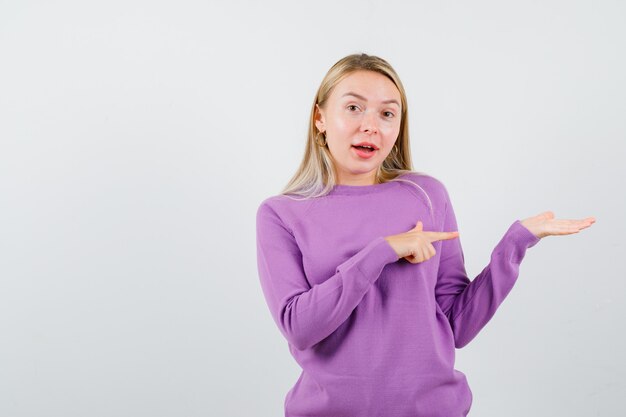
<point x="444" y="235"/>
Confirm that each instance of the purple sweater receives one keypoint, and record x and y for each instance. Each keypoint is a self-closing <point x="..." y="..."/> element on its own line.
<point x="376" y="335"/>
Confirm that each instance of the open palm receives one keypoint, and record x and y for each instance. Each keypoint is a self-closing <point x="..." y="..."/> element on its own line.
<point x="545" y="224"/>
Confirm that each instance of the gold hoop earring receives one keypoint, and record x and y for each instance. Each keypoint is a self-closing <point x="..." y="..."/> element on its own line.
<point x="318" y="142"/>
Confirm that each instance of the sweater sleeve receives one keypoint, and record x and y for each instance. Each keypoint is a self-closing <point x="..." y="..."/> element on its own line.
<point x="306" y="314"/>
<point x="469" y="305"/>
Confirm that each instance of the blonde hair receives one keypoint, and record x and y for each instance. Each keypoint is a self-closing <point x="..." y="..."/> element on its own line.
<point x="316" y="174"/>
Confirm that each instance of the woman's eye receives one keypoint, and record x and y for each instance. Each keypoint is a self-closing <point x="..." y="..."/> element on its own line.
<point x="351" y="105"/>
<point x="388" y="112"/>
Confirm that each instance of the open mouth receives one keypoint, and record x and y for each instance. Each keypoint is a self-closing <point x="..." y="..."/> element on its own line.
<point x="364" y="149"/>
<point x="364" y="152"/>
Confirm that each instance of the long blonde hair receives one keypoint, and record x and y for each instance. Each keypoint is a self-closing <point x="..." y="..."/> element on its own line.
<point x="316" y="175"/>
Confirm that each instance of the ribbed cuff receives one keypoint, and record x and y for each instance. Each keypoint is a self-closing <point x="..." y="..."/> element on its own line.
<point x="370" y="261"/>
<point x="520" y="239"/>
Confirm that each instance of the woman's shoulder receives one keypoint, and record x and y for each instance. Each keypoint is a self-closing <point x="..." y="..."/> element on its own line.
<point x="428" y="189"/>
<point x="288" y="208"/>
<point x="427" y="182"/>
<point x="284" y="200"/>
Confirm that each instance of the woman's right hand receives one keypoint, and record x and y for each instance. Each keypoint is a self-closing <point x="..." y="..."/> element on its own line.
<point x="416" y="245"/>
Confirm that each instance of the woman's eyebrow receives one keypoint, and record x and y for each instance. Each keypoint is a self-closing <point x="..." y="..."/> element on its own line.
<point x="350" y="93"/>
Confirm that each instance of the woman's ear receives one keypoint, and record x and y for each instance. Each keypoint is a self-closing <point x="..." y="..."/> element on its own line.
<point x="319" y="118"/>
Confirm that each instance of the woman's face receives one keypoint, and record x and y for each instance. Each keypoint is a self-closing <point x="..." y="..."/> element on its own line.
<point x="363" y="107"/>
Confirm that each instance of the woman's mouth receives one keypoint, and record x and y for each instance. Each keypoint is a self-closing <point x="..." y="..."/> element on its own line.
<point x="363" y="151"/>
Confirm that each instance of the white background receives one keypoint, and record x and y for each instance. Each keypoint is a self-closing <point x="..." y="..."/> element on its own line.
<point x="137" y="139"/>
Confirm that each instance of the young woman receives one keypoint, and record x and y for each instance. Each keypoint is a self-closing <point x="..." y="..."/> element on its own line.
<point x="361" y="264"/>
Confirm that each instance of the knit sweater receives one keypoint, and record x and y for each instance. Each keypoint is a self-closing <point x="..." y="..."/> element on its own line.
<point x="375" y="335"/>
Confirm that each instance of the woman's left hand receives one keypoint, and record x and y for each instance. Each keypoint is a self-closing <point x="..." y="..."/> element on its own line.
<point x="545" y="224"/>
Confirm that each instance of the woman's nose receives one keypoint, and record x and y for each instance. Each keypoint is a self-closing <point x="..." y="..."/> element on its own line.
<point x="369" y="122"/>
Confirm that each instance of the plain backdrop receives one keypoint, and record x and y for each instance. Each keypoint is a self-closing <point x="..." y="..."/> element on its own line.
<point x="137" y="139"/>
